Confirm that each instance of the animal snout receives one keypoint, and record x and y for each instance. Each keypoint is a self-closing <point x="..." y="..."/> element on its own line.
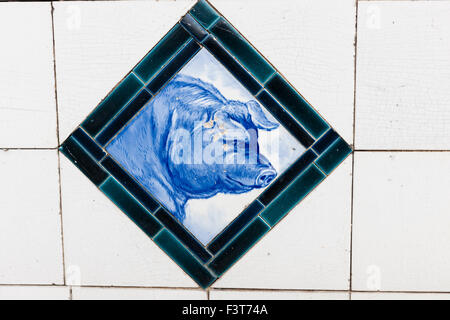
<point x="265" y="177"/>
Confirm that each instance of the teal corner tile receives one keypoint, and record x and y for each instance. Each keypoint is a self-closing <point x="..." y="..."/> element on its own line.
<point x="112" y="104"/>
<point x="173" y="41"/>
<point x="131" y="207"/>
<point x="204" y="13"/>
<point x="184" y="259"/>
<point x="83" y="161"/>
<point x="239" y="246"/>
<point x="242" y="50"/>
<point x="292" y="195"/>
<point x="333" y="156"/>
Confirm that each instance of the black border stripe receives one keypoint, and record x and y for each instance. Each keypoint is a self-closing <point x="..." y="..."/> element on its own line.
<point x="285" y="118"/>
<point x="287" y="177"/>
<point x="133" y="187"/>
<point x="235" y="227"/>
<point x="89" y="144"/>
<point x="180" y="232"/>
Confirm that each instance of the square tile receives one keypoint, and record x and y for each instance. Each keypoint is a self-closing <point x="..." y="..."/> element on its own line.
<point x="27" y="84"/>
<point x="30" y="198"/>
<point x="85" y="293"/>
<point x="400" y="221"/>
<point x="399" y="296"/>
<point x="34" y="293"/>
<point x="403" y="75"/>
<point x="103" y="247"/>
<point x="204" y="145"/>
<point x="311" y="42"/>
<point x="315" y="242"/>
<point x="276" y="295"/>
<point x="101" y="41"/>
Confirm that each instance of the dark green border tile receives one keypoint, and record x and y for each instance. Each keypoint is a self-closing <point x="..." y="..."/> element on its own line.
<point x="78" y="155"/>
<point x="333" y="156"/>
<point x="204" y="13"/>
<point x="184" y="258"/>
<point x="297" y="106"/>
<point x="242" y="50"/>
<point x="292" y="195"/>
<point x="131" y="207"/>
<point x="162" y="52"/>
<point x="239" y="246"/>
<point x="112" y="104"/>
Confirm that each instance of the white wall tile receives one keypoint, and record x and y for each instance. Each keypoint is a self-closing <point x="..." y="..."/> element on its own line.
<point x="276" y="295"/>
<point x="137" y="294"/>
<point x="399" y="296"/>
<point x="98" y="43"/>
<point x="27" y="86"/>
<point x="34" y="293"/>
<point x="403" y="75"/>
<point x="103" y="246"/>
<point x="309" y="249"/>
<point x="401" y="221"/>
<point x="311" y="43"/>
<point x="30" y="233"/>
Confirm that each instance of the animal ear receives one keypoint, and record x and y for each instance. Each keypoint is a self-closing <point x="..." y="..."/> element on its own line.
<point x="259" y="119"/>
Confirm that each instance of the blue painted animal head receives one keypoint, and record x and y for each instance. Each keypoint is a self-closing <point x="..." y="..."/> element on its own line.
<point x="191" y="142"/>
<point x="213" y="145"/>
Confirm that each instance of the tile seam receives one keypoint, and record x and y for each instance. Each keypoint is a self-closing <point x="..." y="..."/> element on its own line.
<point x="61" y="220"/>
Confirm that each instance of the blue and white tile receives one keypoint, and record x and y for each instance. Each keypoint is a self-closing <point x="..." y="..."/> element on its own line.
<point x="227" y="169"/>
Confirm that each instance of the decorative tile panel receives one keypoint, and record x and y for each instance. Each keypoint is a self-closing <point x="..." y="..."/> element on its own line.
<point x="204" y="145"/>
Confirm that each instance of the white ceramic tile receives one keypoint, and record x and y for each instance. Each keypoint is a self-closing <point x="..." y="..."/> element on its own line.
<point x="84" y="293"/>
<point x="403" y="75"/>
<point x="98" y="43"/>
<point x="27" y="86"/>
<point x="103" y="246"/>
<point x="401" y="221"/>
<point x="311" y="43"/>
<point x="309" y="249"/>
<point x="30" y="234"/>
<point x="34" y="293"/>
<point x="276" y="295"/>
<point x="399" y="296"/>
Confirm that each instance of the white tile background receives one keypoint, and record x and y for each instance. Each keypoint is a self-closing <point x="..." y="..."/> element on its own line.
<point x="377" y="228"/>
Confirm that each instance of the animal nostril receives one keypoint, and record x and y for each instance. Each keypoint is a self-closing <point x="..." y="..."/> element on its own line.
<point x="265" y="177"/>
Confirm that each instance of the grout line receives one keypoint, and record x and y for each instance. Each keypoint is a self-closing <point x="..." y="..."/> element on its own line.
<point x="59" y="155"/>
<point x="400" y="150"/>
<point x="355" y="150"/>
<point x="28" y="149"/>
<point x="227" y="289"/>
<point x="353" y="155"/>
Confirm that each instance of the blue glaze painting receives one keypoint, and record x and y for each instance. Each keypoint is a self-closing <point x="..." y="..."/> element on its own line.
<point x="204" y="147"/>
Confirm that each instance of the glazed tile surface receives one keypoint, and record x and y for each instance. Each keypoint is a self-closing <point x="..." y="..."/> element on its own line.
<point x="204" y="145"/>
